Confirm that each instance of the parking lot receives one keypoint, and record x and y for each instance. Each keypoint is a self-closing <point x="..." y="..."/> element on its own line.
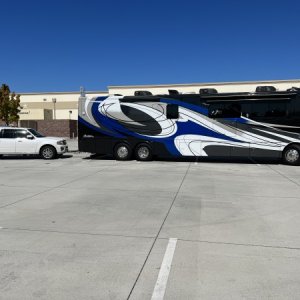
<point x="82" y="228"/>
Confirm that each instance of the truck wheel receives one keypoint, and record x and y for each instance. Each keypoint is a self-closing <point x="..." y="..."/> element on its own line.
<point x="48" y="152"/>
<point x="143" y="152"/>
<point x="122" y="152"/>
<point x="291" y="155"/>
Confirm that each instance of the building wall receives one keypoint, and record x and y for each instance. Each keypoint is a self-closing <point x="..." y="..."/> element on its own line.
<point x="59" y="128"/>
<point x="36" y="105"/>
<point x="32" y="114"/>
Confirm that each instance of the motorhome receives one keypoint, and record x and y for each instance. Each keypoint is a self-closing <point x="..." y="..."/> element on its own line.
<point x="263" y="124"/>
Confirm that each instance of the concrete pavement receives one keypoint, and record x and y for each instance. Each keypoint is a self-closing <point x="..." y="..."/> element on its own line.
<point x="80" y="228"/>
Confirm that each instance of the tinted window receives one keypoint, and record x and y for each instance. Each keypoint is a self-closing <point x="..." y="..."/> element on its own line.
<point x="276" y="109"/>
<point x="246" y="109"/>
<point x="259" y="109"/>
<point x="35" y="133"/>
<point x="225" y="110"/>
<point x="8" y="134"/>
<point x="172" y="111"/>
<point x="264" y="109"/>
<point x="20" y="133"/>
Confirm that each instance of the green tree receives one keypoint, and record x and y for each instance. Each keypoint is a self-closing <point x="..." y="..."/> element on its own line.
<point x="9" y="105"/>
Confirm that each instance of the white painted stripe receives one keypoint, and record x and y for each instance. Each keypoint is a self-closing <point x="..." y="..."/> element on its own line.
<point x="162" y="279"/>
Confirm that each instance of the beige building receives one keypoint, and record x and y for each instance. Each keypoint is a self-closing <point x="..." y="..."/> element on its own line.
<point x="49" y="106"/>
<point x="64" y="105"/>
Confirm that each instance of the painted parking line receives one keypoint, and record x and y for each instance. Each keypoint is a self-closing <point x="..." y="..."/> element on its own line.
<point x="162" y="279"/>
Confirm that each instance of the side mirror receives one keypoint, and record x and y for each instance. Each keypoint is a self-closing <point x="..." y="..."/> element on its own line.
<point x="30" y="137"/>
<point x="172" y="111"/>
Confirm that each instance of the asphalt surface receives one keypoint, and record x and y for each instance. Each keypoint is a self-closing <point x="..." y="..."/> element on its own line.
<point x="81" y="228"/>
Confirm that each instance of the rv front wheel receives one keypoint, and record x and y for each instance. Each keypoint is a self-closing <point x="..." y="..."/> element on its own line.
<point x="122" y="152"/>
<point x="143" y="152"/>
<point x="291" y="155"/>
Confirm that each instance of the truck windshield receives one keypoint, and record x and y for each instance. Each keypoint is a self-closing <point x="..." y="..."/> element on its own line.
<point x="35" y="133"/>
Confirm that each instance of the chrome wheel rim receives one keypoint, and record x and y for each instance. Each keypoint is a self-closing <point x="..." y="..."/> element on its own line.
<point x="122" y="152"/>
<point x="292" y="155"/>
<point x="143" y="152"/>
<point x="47" y="153"/>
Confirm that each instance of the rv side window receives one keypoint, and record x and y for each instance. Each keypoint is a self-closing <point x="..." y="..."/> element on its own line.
<point x="276" y="109"/>
<point x="228" y="110"/>
<point x="172" y="111"/>
<point x="259" y="110"/>
<point x="271" y="109"/>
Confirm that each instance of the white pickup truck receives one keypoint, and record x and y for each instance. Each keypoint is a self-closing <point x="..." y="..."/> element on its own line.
<point x="18" y="141"/>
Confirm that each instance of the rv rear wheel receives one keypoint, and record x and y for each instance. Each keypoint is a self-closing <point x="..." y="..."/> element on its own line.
<point x="291" y="155"/>
<point x="122" y="152"/>
<point x="143" y="152"/>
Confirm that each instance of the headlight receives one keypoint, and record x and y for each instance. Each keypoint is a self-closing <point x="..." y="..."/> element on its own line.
<point x="63" y="142"/>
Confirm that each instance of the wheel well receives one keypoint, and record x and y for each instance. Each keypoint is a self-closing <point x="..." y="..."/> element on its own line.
<point x="121" y="142"/>
<point x="45" y="146"/>
<point x="291" y="144"/>
<point x="143" y="143"/>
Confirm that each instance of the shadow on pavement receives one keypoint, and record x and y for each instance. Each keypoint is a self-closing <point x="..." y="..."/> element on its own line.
<point x="249" y="161"/>
<point x="18" y="157"/>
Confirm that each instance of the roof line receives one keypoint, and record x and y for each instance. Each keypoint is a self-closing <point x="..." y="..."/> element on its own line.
<point x="202" y="84"/>
<point x="60" y="93"/>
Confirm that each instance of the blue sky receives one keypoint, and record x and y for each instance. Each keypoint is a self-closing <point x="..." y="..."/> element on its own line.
<point x="62" y="45"/>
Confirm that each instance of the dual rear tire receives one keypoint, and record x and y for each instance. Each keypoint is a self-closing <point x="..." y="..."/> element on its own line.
<point x="142" y="152"/>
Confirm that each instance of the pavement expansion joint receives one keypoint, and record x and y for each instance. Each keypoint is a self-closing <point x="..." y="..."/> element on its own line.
<point x="52" y="188"/>
<point x="286" y="177"/>
<point x="26" y="198"/>
<point x="159" y="231"/>
<point x="234" y="244"/>
<point x="77" y="233"/>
